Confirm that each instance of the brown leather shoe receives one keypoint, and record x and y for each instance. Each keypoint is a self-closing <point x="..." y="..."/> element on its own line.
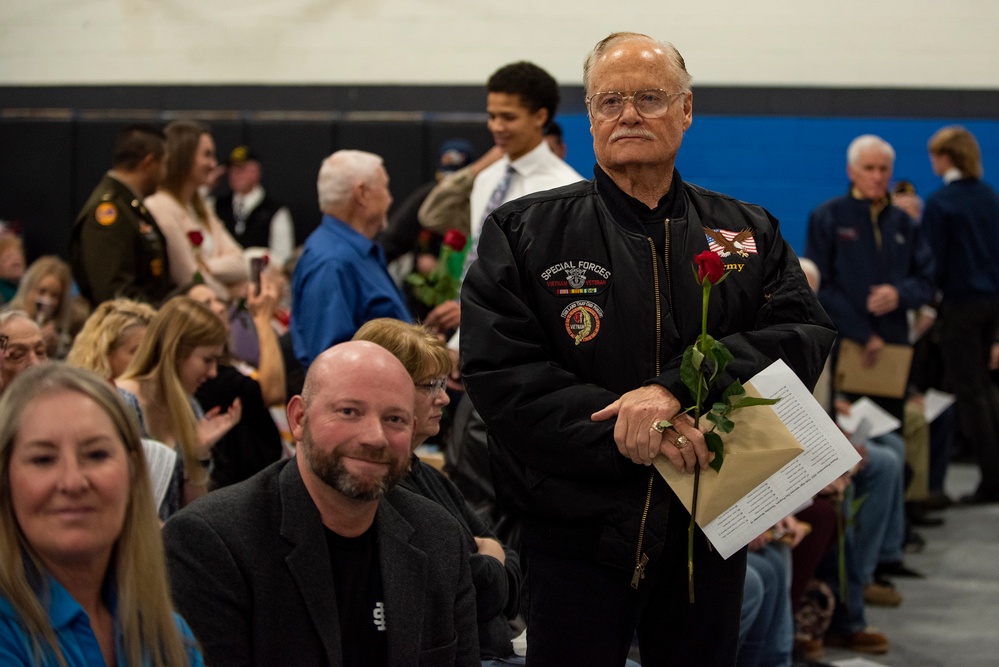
<point x="868" y="640"/>
<point x="882" y="595"/>
<point x="808" y="648"/>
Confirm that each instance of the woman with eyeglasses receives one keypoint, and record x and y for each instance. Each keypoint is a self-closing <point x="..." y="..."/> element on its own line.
<point x="82" y="573"/>
<point x="23" y="345"/>
<point x="495" y="568"/>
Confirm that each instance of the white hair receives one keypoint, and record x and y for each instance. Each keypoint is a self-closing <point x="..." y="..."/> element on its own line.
<point x="811" y="271"/>
<point x="15" y="314"/>
<point x="673" y="56"/>
<point x="340" y="172"/>
<point x="864" y="142"/>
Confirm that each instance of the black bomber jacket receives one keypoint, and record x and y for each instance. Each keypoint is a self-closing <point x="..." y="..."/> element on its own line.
<point x="567" y="308"/>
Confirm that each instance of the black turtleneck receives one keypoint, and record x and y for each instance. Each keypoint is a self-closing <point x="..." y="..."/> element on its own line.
<point x="633" y="213"/>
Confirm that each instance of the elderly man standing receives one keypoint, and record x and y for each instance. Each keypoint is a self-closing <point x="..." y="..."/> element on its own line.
<point x="341" y="280"/>
<point x="576" y="315"/>
<point x="874" y="262"/>
<point x="319" y="560"/>
<point x="875" y="266"/>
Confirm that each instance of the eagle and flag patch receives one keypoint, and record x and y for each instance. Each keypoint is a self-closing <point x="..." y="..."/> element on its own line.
<point x="726" y="243"/>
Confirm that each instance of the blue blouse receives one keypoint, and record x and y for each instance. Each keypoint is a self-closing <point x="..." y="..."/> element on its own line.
<point x="72" y="629"/>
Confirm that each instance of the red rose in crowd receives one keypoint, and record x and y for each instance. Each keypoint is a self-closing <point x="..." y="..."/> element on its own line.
<point x="196" y="238"/>
<point x="709" y="267"/>
<point x="455" y="240"/>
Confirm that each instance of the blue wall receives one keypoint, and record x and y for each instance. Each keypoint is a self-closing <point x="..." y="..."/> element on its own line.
<point x="790" y="165"/>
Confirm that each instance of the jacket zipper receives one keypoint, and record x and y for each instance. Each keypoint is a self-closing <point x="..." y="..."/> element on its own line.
<point x="641" y="559"/>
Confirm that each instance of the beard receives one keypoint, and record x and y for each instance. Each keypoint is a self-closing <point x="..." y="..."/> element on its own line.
<point x="329" y="467"/>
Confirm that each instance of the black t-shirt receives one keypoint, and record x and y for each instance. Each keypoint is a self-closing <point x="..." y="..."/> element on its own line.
<point x="357" y="581"/>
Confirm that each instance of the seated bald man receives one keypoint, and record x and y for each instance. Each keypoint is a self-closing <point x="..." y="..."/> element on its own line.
<point x="319" y="559"/>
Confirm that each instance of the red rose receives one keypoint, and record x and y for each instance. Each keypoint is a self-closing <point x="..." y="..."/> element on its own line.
<point x="709" y="267"/>
<point x="196" y="238"/>
<point x="455" y="240"/>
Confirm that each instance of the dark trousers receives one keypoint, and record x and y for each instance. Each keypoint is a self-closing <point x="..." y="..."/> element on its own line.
<point x="584" y="613"/>
<point x="824" y="538"/>
<point x="967" y="331"/>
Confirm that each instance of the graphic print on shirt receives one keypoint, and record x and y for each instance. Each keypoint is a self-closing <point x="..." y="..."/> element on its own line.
<point x="574" y="277"/>
<point x="378" y="614"/>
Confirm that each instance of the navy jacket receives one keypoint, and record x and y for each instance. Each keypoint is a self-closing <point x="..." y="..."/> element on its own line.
<point x="841" y="242"/>
<point x="962" y="226"/>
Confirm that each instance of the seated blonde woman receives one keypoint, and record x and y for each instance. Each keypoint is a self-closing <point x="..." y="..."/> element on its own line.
<point x="495" y="568"/>
<point x="82" y="574"/>
<point x="180" y="351"/>
<point x="110" y="337"/>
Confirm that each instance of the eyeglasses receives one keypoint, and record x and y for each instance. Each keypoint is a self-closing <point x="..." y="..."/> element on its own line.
<point x="3" y="342"/>
<point x="433" y="387"/>
<point x="651" y="103"/>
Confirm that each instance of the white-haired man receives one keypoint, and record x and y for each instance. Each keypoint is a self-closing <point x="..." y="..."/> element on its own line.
<point x="873" y="260"/>
<point x="23" y="345"/>
<point x="341" y="280"/>
<point x="575" y="318"/>
<point x="875" y="266"/>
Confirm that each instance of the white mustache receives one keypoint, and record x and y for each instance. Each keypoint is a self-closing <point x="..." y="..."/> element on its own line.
<point x="632" y="132"/>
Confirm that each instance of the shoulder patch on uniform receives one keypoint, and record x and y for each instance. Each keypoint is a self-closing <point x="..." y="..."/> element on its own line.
<point x="106" y="213"/>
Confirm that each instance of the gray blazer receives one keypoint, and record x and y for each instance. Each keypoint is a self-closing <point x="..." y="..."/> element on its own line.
<point x="251" y="573"/>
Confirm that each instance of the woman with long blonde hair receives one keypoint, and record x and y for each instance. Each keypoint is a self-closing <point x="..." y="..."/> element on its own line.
<point x="44" y="294"/>
<point x="110" y="337"/>
<point x="198" y="244"/>
<point x="181" y="350"/>
<point x="82" y="573"/>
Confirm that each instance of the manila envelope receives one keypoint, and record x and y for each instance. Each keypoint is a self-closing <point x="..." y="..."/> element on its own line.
<point x="758" y="446"/>
<point x="889" y="377"/>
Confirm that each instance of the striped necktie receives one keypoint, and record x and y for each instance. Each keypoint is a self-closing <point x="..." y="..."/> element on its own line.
<point x="495" y="199"/>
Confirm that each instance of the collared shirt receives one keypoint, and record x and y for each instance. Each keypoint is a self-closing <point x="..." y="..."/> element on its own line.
<point x="877" y="205"/>
<point x="535" y="171"/>
<point x="340" y="282"/>
<point x="951" y="175"/>
<point x="72" y="630"/>
<point x="281" y="235"/>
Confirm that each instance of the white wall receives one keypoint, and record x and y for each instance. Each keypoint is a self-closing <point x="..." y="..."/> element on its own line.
<point x="905" y="43"/>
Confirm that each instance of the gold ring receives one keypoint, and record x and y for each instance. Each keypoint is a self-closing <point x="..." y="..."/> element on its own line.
<point x="681" y="442"/>
<point x="661" y="425"/>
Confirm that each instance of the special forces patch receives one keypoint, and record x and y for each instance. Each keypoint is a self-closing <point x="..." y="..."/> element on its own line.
<point x="582" y="320"/>
<point x="575" y="277"/>
<point x="106" y="213"/>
